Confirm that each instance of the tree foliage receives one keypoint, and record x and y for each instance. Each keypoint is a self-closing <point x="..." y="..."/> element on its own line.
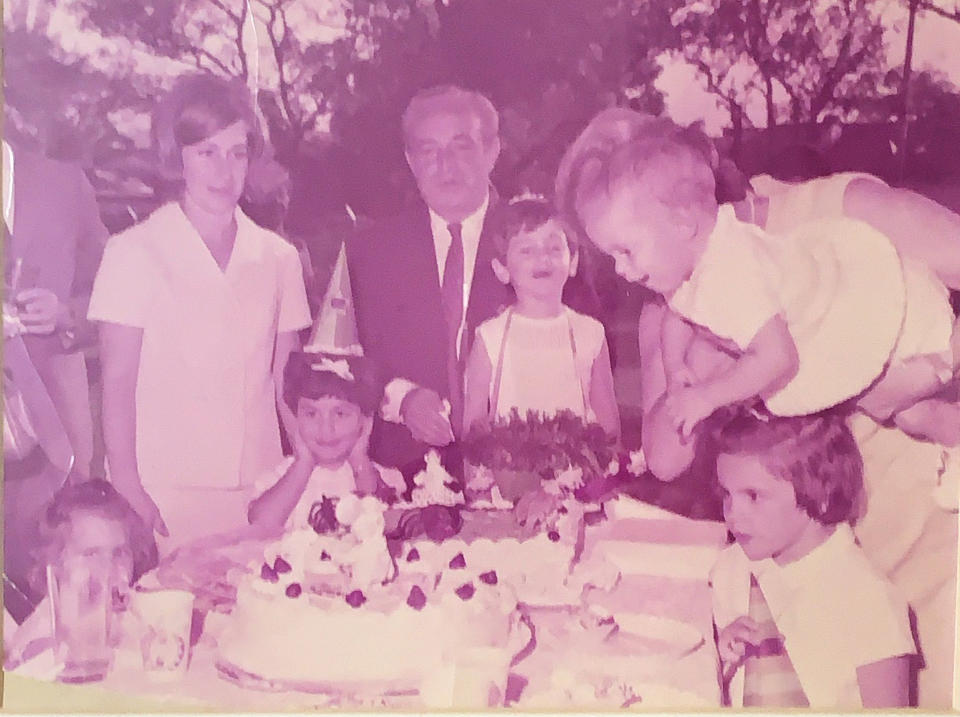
<point x="802" y="57"/>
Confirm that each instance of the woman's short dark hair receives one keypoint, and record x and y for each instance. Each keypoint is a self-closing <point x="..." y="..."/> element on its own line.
<point x="305" y="377"/>
<point x="817" y="454"/>
<point x="197" y="107"/>
<point x="97" y="497"/>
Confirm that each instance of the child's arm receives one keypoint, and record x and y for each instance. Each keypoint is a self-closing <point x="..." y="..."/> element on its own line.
<point x="603" y="398"/>
<point x="898" y="213"/>
<point x="675" y="337"/>
<point x="275" y="505"/>
<point x="365" y="474"/>
<point x="767" y="365"/>
<point x="886" y="683"/>
<point x="477" y="377"/>
<point x="903" y="385"/>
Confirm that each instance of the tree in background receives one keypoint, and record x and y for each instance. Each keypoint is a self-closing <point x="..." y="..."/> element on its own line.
<point x="943" y="8"/>
<point x="802" y="57"/>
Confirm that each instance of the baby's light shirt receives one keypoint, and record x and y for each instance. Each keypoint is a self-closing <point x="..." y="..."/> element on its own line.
<point x="733" y="289"/>
<point x="834" y="610"/>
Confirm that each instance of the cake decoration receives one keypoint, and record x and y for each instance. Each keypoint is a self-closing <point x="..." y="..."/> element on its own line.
<point x="293" y="590"/>
<point x="465" y="591"/>
<point x="416" y="599"/>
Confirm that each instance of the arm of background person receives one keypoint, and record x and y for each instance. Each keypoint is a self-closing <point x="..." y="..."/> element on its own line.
<point x="120" y="360"/>
<point x="91" y="240"/>
<point x="919" y="227"/>
<point x="287" y="342"/>
<point x="603" y="396"/>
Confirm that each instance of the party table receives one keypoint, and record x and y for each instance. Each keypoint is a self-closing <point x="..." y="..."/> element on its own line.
<point x="658" y="654"/>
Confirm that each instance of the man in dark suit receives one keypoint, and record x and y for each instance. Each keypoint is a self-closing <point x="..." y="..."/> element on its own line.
<point x="423" y="281"/>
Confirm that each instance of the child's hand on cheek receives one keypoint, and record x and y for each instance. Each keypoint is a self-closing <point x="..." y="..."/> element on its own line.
<point x="359" y="458"/>
<point x="687" y="406"/>
<point x="301" y="450"/>
<point x="733" y="640"/>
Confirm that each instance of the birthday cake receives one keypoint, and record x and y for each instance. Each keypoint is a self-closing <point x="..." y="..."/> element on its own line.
<point x="332" y="611"/>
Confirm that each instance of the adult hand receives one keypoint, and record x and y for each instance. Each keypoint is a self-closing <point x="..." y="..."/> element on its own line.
<point x="687" y="407"/>
<point x="733" y="640"/>
<point x="423" y="414"/>
<point x="40" y="311"/>
<point x="143" y="504"/>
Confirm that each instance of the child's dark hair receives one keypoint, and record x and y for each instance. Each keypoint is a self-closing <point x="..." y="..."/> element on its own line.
<point x="315" y="375"/>
<point x="98" y="497"/>
<point x="527" y="215"/>
<point x="817" y="454"/>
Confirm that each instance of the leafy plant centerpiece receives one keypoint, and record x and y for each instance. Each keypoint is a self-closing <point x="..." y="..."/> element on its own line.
<point x="522" y="452"/>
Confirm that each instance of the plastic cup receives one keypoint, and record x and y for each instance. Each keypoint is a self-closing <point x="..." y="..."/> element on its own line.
<point x="81" y="611"/>
<point x="164" y="618"/>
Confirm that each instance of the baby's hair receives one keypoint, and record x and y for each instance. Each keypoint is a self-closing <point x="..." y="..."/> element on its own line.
<point x="97" y="497"/>
<point x="817" y="454"/>
<point x="306" y="377"/>
<point x="620" y="145"/>
<point x="527" y="214"/>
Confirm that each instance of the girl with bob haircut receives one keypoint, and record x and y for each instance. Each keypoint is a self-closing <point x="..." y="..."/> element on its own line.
<point x="802" y="617"/>
<point x="334" y="398"/>
<point x="199" y="308"/>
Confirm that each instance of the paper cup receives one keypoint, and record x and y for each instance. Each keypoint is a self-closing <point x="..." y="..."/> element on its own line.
<point x="164" y="618"/>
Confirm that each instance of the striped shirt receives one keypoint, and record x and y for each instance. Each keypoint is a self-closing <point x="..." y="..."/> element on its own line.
<point x="769" y="677"/>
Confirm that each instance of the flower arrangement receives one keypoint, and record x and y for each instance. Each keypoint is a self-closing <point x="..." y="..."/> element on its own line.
<point x="561" y="448"/>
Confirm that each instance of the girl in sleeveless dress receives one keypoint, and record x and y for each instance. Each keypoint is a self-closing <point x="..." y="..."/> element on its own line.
<point x="538" y="355"/>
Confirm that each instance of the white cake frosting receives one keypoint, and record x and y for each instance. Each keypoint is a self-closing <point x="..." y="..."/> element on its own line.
<point x="360" y="623"/>
<point x="430" y="485"/>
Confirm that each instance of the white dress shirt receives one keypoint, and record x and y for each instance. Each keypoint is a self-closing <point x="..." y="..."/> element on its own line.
<point x="471" y="228"/>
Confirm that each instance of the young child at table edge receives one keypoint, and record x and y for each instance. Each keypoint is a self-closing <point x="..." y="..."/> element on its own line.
<point x="802" y="617"/>
<point x="651" y="205"/>
<point x="334" y="397"/>
<point x="538" y="354"/>
<point x="84" y="520"/>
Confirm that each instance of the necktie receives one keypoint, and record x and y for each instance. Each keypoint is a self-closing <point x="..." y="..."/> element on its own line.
<point x="451" y="293"/>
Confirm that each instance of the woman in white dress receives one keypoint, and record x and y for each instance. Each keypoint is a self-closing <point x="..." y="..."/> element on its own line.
<point x="199" y="309"/>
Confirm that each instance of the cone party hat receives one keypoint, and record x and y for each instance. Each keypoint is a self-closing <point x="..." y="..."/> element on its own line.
<point x="335" y="330"/>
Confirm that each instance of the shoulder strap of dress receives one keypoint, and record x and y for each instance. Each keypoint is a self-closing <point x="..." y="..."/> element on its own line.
<point x="576" y="364"/>
<point x="498" y="369"/>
